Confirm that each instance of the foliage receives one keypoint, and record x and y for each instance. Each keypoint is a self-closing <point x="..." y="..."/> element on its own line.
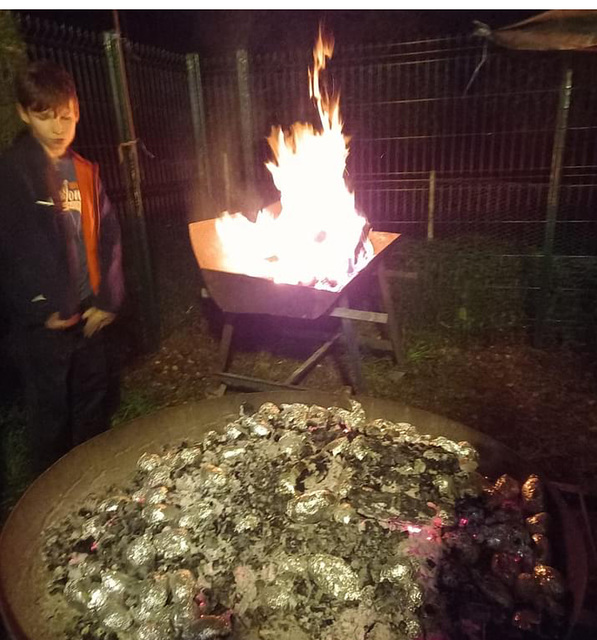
<point x="134" y="403"/>
<point x="481" y="287"/>
<point x="12" y="56"/>
<point x="466" y="286"/>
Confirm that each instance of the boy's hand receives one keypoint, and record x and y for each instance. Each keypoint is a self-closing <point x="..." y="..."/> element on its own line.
<point x="54" y="321"/>
<point x="96" y="319"/>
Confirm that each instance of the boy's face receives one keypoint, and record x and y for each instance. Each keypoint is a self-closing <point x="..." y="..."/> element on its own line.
<point x="54" y="129"/>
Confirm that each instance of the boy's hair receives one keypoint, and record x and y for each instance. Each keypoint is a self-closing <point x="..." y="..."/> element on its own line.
<point x="45" y="85"/>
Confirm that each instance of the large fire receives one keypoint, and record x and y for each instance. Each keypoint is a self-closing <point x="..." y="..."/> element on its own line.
<point x="318" y="238"/>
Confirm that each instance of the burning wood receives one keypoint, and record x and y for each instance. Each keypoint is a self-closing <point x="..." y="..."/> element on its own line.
<point x="317" y="237"/>
<point x="307" y="523"/>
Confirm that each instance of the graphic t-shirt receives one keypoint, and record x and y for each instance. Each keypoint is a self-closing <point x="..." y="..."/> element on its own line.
<point x="71" y="202"/>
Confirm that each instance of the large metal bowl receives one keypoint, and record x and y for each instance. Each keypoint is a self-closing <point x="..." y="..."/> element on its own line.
<point x="111" y="458"/>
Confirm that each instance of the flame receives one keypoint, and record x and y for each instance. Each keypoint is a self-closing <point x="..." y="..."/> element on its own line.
<point x="318" y="238"/>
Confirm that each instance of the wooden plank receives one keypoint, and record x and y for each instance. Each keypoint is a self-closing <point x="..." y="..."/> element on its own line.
<point x="258" y="384"/>
<point x="298" y="373"/>
<point x="361" y="316"/>
<point x="396" y="274"/>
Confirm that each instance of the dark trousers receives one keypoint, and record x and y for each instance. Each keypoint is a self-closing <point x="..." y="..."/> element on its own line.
<point x="66" y="379"/>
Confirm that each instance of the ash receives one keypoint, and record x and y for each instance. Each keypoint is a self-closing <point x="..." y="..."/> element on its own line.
<point x="305" y="523"/>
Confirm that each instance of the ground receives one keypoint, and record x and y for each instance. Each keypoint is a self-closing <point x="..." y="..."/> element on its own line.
<point x="541" y="403"/>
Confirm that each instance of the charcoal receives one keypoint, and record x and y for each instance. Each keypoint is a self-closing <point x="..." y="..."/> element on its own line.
<point x="527" y="588"/>
<point x="148" y="462"/>
<point x="140" y="553"/>
<point x="542" y="548"/>
<point x="156" y="495"/>
<point x="335" y="577"/>
<point x="506" y="567"/>
<point x="154" y="592"/>
<point x="495" y="591"/>
<point x="208" y="628"/>
<point x="116" y="617"/>
<point x="116" y="582"/>
<point x="153" y="631"/>
<point x="182" y="585"/>
<point x="526" y="619"/>
<point x="160" y="514"/>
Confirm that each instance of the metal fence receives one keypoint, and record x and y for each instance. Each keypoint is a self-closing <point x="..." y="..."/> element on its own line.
<point x="160" y="99"/>
<point x="476" y="124"/>
<point x="449" y="139"/>
<point x="155" y="205"/>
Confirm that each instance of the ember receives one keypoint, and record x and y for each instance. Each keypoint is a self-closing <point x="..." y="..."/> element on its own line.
<point x="307" y="523"/>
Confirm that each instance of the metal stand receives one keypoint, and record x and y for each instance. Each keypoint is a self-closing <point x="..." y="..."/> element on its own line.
<point x="581" y="501"/>
<point x="346" y="331"/>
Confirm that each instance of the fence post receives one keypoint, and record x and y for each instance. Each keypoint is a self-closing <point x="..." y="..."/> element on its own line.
<point x="431" y="206"/>
<point x="198" y="117"/>
<point x="135" y="233"/>
<point x="553" y="198"/>
<point x="246" y="115"/>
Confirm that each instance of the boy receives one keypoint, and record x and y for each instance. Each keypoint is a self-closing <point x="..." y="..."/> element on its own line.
<point x="60" y="267"/>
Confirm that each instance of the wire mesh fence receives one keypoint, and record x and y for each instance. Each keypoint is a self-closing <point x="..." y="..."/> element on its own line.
<point x="82" y="54"/>
<point x="481" y="120"/>
<point x="450" y="139"/>
<point x="160" y="101"/>
<point x="454" y="139"/>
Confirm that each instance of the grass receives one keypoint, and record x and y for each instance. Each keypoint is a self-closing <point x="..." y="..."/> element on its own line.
<point x="135" y="403"/>
<point x="15" y="474"/>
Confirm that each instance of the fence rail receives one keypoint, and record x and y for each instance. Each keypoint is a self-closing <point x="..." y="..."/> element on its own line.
<point x="449" y="137"/>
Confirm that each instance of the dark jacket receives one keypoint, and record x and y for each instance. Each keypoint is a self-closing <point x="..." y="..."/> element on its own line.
<point x="34" y="267"/>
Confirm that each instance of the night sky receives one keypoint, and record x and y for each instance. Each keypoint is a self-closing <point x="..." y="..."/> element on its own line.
<point x="211" y="32"/>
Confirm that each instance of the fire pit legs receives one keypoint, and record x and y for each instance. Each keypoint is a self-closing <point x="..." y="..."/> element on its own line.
<point x="225" y="348"/>
<point x="352" y="348"/>
<point x="346" y="330"/>
<point x="394" y="331"/>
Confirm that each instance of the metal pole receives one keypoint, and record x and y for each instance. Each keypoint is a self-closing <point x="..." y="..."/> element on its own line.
<point x="553" y="199"/>
<point x="246" y="115"/>
<point x="227" y="182"/>
<point x="143" y="290"/>
<point x="431" y="206"/>
<point x="198" y="117"/>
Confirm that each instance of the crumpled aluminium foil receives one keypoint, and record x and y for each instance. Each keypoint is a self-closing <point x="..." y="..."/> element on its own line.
<point x="116" y="617"/>
<point x="298" y="513"/>
<point x="311" y="507"/>
<point x="140" y="552"/>
<point x="335" y="577"/>
<point x="172" y="543"/>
